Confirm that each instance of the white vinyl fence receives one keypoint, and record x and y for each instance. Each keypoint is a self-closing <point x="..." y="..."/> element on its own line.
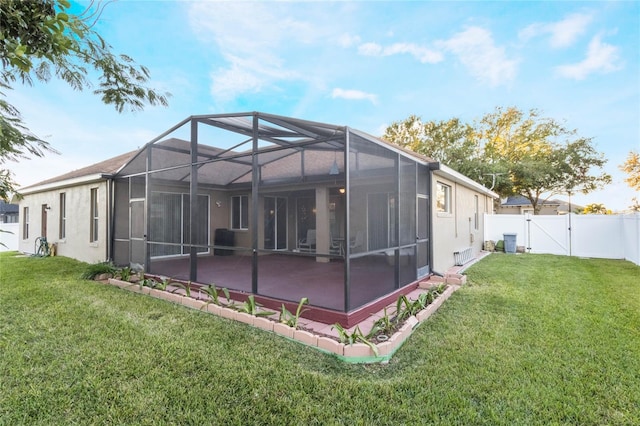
<point x="9" y="236"/>
<point x="602" y="236"/>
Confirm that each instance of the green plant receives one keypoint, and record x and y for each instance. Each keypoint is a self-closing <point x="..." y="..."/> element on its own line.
<point x="288" y="318"/>
<point x="162" y="285"/>
<point x="406" y="308"/>
<point x="230" y="303"/>
<point x="251" y="307"/>
<point x="212" y="291"/>
<point x="384" y="325"/>
<point x="96" y="269"/>
<point x="186" y="287"/>
<point x="349" y="338"/>
<point x="125" y="273"/>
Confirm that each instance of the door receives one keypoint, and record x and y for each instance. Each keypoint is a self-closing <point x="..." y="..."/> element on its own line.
<point x="43" y="223"/>
<point x="275" y="223"/>
<point x="137" y="230"/>
<point x="422" y="235"/>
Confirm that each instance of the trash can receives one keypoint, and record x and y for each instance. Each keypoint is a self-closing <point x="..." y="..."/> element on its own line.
<point x="223" y="237"/>
<point x="509" y="243"/>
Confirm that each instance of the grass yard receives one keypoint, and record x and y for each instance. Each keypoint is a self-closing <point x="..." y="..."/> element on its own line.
<point x="532" y="339"/>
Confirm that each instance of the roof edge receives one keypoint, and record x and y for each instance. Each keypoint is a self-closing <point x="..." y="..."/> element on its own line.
<point x="464" y="180"/>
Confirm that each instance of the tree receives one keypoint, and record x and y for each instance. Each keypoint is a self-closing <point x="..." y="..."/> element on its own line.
<point x="40" y="39"/>
<point x="631" y="166"/>
<point x="513" y="152"/>
<point x="596" y="208"/>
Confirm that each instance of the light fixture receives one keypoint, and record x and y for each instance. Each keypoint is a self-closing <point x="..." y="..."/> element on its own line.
<point x="341" y="190"/>
<point x="218" y="203"/>
<point x="334" y="167"/>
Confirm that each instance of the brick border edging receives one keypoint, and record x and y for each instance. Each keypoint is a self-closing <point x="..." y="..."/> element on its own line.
<point x="357" y="353"/>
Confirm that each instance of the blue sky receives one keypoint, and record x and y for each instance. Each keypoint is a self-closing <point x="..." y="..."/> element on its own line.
<point x="362" y="64"/>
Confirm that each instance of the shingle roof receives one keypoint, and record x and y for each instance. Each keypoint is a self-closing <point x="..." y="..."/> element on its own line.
<point x="519" y="200"/>
<point x="107" y="167"/>
<point x="8" y="208"/>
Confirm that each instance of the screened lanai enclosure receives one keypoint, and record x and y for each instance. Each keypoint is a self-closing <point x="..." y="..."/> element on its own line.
<point x="275" y="206"/>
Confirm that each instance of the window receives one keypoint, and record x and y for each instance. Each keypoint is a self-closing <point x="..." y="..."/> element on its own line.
<point x="443" y="198"/>
<point x="170" y="224"/>
<point x="94" y="216"/>
<point x="476" y="212"/>
<point x="63" y="216"/>
<point x="240" y="212"/>
<point x="25" y="223"/>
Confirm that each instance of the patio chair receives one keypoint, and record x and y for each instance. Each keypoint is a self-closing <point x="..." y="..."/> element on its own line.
<point x="336" y="246"/>
<point x="357" y="242"/>
<point x="308" y="243"/>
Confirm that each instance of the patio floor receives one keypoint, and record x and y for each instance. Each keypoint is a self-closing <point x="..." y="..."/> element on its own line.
<point x="232" y="267"/>
<point x="289" y="278"/>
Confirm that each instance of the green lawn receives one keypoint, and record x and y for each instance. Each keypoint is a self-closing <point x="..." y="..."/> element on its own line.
<point x="532" y="339"/>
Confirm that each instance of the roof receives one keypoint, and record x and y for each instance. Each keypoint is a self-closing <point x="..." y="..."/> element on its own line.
<point x="106" y="168"/>
<point x="519" y="200"/>
<point x="281" y="143"/>
<point x="8" y="208"/>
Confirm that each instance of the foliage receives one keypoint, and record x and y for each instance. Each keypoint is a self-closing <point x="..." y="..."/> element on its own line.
<point x="288" y="318"/>
<point x="211" y="291"/>
<point x="95" y="269"/>
<point x="125" y="273"/>
<point x="509" y="151"/>
<point x="631" y="167"/>
<point x="162" y="285"/>
<point x="533" y="340"/>
<point x="383" y="325"/>
<point x="596" y="208"/>
<point x="41" y="39"/>
<point x="251" y="307"/>
<point x="186" y="287"/>
<point x="355" y="336"/>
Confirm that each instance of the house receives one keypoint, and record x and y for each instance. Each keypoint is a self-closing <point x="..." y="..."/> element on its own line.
<point x="518" y="204"/>
<point x="8" y="212"/>
<point x="274" y="206"/>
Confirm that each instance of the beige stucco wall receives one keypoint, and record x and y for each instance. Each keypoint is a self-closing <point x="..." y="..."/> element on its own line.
<point x="456" y="230"/>
<point x="78" y="221"/>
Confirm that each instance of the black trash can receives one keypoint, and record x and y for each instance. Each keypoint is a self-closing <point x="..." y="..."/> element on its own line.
<point x="224" y="237"/>
<point x="509" y="243"/>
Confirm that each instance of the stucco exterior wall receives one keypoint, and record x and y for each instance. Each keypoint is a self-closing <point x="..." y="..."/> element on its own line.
<point x="76" y="243"/>
<point x="457" y="230"/>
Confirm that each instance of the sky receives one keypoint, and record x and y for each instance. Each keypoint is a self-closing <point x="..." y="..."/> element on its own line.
<point x="365" y="64"/>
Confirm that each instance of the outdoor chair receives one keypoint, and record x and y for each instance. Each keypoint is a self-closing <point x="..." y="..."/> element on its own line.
<point x="357" y="242"/>
<point x="308" y="243"/>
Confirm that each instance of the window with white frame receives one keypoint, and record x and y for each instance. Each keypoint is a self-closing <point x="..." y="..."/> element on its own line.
<point x="443" y="198"/>
<point x="63" y="216"/>
<point x="93" y="237"/>
<point x="240" y="212"/>
<point x="25" y="223"/>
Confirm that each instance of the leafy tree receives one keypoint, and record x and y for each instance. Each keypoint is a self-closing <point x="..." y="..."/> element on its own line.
<point x="511" y="151"/>
<point x="631" y="166"/>
<point x="40" y="39"/>
<point x="596" y="208"/>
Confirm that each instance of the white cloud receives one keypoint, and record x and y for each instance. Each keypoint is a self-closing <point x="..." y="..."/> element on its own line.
<point x="351" y="94"/>
<point x="422" y="54"/>
<point x="250" y="37"/>
<point x="601" y="57"/>
<point x="348" y="40"/>
<point x="562" y="33"/>
<point x="477" y="51"/>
